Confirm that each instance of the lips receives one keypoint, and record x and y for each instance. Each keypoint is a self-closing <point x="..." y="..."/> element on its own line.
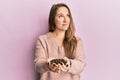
<point x="64" y="24"/>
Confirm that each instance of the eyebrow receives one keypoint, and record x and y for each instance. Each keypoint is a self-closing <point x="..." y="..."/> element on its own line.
<point x="62" y="13"/>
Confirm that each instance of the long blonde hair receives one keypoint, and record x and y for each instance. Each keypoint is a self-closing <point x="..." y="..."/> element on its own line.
<point x="70" y="41"/>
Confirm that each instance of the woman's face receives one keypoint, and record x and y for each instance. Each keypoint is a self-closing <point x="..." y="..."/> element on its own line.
<point x="62" y="19"/>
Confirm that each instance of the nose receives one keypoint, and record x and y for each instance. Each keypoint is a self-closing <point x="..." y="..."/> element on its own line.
<point x="64" y="19"/>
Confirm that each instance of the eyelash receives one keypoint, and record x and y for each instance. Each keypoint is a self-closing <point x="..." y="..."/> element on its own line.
<point x="62" y="15"/>
<point x="68" y="15"/>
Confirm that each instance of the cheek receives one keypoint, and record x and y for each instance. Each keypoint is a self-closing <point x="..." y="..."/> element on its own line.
<point x="58" y="22"/>
<point x="68" y="20"/>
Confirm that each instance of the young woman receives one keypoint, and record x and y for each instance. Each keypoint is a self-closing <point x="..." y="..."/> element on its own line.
<point x="59" y="53"/>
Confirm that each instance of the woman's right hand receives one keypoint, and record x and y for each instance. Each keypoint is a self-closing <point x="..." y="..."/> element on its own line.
<point x="52" y="66"/>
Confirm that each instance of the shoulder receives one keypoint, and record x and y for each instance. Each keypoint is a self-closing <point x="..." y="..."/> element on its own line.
<point x="79" y="40"/>
<point x="44" y="36"/>
<point x="42" y="39"/>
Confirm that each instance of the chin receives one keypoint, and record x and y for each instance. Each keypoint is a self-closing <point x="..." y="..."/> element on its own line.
<point x="65" y="29"/>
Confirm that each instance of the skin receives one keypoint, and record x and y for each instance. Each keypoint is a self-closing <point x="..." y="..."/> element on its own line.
<point x="62" y="21"/>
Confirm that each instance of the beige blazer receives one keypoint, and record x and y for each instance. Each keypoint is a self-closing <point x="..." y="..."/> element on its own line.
<point x="47" y="47"/>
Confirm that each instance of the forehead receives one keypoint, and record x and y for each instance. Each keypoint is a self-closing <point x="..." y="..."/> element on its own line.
<point x="62" y="10"/>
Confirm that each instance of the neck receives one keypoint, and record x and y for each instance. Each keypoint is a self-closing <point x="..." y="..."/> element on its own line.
<point x="59" y="35"/>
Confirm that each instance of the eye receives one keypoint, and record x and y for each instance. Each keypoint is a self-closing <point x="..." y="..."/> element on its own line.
<point x="60" y="16"/>
<point x="68" y="15"/>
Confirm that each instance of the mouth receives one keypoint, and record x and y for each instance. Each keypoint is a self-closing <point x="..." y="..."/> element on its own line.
<point x="64" y="24"/>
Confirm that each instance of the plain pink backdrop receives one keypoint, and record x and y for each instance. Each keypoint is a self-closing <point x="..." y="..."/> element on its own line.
<point x="97" y="23"/>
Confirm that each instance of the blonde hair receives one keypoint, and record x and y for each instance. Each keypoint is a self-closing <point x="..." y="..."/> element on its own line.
<point x="70" y="41"/>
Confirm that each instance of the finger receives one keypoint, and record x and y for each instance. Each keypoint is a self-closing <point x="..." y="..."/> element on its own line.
<point x="49" y="59"/>
<point x="62" y="68"/>
<point x="65" y="58"/>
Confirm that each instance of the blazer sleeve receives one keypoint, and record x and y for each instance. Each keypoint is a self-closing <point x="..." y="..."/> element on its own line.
<point x="78" y="63"/>
<point x="40" y="56"/>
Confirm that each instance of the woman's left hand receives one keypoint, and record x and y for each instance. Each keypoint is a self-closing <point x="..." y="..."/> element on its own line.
<point x="65" y="67"/>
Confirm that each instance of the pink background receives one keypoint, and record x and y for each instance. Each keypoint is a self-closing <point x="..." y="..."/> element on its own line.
<point x="96" y="21"/>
